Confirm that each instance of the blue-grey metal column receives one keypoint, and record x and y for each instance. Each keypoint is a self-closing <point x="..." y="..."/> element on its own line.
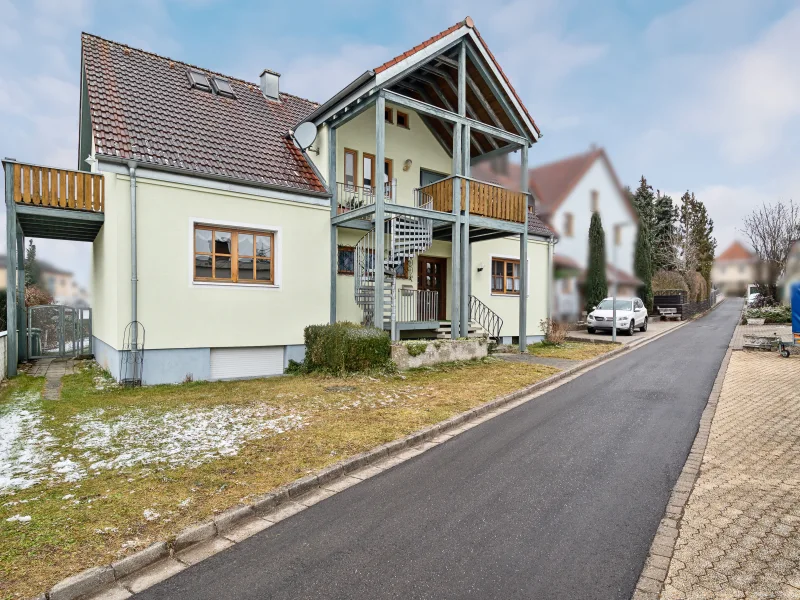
<point x="455" y="242"/>
<point x="523" y="258"/>
<point x="380" y="141"/>
<point x="333" y="188"/>
<point x="22" y="321"/>
<point x="11" y="283"/>
<point x="465" y="262"/>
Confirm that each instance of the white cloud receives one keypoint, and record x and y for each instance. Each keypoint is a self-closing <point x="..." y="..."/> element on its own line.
<point x="751" y="99"/>
<point x="319" y="76"/>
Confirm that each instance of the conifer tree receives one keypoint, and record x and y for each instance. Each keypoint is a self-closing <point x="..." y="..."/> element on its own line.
<point x="596" y="282"/>
<point x="643" y="265"/>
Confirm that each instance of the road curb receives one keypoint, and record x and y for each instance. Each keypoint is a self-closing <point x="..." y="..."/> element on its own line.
<point x="147" y="565"/>
<point x="656" y="566"/>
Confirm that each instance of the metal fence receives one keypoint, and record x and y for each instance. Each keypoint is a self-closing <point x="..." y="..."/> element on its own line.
<point x="59" y="331"/>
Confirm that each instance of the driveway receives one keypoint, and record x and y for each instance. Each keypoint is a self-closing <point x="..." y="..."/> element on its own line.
<point x="557" y="498"/>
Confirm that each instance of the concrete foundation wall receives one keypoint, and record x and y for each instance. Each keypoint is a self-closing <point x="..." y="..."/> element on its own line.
<point x="438" y="351"/>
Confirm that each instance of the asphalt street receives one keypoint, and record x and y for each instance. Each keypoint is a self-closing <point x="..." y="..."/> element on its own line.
<point x="557" y="498"/>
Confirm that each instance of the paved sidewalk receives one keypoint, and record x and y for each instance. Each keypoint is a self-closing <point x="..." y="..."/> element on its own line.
<point x="739" y="536"/>
<point x="52" y="369"/>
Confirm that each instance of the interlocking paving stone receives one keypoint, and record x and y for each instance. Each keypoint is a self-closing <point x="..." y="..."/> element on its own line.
<point x="740" y="533"/>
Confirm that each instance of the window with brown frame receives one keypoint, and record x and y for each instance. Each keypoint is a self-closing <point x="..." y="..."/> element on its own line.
<point x="233" y="255"/>
<point x="350" y="167"/>
<point x="389" y="113"/>
<point x="595" y="201"/>
<point x="402" y="120"/>
<point x="346" y="260"/>
<point x="505" y="276"/>
<point x="568" y="224"/>
<point x="368" y="169"/>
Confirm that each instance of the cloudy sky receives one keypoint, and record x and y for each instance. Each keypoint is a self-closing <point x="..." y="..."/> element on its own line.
<point x="700" y="94"/>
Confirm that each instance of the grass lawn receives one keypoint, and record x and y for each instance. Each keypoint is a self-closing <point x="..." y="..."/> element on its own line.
<point x="106" y="471"/>
<point x="570" y="350"/>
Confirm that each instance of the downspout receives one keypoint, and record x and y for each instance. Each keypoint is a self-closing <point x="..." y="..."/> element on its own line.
<point x="550" y="251"/>
<point x="134" y="278"/>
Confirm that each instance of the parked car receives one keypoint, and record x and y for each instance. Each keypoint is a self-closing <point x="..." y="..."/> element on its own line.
<point x="631" y="314"/>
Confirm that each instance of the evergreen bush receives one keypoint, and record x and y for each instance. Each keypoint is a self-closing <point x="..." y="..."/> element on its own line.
<point x="596" y="282"/>
<point x="668" y="281"/>
<point x="345" y="348"/>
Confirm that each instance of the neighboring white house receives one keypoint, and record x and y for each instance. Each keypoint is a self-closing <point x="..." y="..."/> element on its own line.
<point x="568" y="192"/>
<point x="213" y="228"/>
<point x="734" y="269"/>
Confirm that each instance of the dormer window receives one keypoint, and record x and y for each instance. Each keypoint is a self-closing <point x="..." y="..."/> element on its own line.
<point x="199" y="81"/>
<point x="222" y="87"/>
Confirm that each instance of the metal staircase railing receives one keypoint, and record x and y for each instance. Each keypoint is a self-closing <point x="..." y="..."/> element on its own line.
<point x="484" y="316"/>
<point x="408" y="236"/>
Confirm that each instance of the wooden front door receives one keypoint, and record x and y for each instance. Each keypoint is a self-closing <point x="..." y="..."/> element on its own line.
<point x="432" y="275"/>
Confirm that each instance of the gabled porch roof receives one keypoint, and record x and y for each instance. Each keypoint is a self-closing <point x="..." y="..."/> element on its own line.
<point x="428" y="74"/>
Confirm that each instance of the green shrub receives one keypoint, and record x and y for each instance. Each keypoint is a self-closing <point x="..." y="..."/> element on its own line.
<point x="346" y="347"/>
<point x="771" y="315"/>
<point x="698" y="290"/>
<point x="668" y="281"/>
<point x="416" y="348"/>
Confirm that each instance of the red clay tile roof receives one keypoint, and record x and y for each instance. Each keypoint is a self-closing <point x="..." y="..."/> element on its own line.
<point x="623" y="278"/>
<point x="551" y="183"/>
<point x="143" y="108"/>
<point x="736" y="251"/>
<point x="538" y="227"/>
<point x="468" y="22"/>
<point x="565" y="262"/>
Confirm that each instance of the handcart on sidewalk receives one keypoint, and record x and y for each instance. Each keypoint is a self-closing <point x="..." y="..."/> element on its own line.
<point x="792" y="346"/>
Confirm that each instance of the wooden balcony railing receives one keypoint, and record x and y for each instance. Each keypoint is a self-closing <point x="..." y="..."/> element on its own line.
<point x="485" y="199"/>
<point x="58" y="188"/>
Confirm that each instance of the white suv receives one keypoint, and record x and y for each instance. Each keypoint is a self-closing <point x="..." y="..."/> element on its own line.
<point x="631" y="314"/>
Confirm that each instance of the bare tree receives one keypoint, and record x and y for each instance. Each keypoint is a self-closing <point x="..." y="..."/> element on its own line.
<point x="771" y="230"/>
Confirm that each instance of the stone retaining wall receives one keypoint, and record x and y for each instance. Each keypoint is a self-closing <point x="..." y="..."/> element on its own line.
<point x="424" y="353"/>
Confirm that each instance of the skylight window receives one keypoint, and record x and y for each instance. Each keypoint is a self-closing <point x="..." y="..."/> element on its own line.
<point x="199" y="81"/>
<point x="222" y="87"/>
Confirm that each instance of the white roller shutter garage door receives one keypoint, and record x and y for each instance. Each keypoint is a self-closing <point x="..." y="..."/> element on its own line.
<point x="237" y="363"/>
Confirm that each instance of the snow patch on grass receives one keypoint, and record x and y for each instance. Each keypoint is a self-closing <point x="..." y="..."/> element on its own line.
<point x="187" y="436"/>
<point x="25" y="444"/>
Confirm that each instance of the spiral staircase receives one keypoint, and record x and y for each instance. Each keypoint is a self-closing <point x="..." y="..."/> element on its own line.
<point x="404" y="238"/>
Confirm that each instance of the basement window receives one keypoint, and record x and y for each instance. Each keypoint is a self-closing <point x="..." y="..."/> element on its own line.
<point x="199" y="81"/>
<point x="222" y="87"/>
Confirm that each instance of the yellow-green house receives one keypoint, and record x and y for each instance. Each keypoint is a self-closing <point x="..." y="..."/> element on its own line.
<point x="234" y="213"/>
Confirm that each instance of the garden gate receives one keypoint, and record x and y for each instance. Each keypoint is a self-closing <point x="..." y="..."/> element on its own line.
<point x="60" y="331"/>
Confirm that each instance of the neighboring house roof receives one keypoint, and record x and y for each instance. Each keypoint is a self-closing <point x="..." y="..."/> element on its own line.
<point x="469" y="23"/>
<point x="623" y="277"/>
<point x="565" y="262"/>
<point x="143" y="108"/>
<point x="551" y="183"/>
<point x="44" y="266"/>
<point x="538" y="227"/>
<point x="736" y="251"/>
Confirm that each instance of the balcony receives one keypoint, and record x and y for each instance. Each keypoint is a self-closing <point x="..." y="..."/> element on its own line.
<point x="485" y="199"/>
<point x="55" y="203"/>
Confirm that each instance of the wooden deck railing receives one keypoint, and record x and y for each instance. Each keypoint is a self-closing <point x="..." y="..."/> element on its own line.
<point x="485" y="199"/>
<point x="58" y="188"/>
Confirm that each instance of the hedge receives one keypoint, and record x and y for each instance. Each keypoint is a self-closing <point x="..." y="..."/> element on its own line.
<point x="346" y="347"/>
<point x="669" y="280"/>
<point x="698" y="289"/>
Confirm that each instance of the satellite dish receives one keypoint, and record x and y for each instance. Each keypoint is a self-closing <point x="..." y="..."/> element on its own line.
<point x="305" y="134"/>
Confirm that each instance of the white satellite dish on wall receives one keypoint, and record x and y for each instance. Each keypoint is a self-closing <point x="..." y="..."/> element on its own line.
<point x="305" y="134"/>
